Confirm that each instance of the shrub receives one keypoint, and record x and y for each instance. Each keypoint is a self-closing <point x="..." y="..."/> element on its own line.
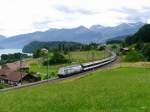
<point x="134" y="56"/>
<point x="2" y="86"/>
<point x="146" y="51"/>
<point x="57" y="58"/>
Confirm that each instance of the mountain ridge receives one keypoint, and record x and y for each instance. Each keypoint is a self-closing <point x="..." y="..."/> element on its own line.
<point x="96" y="33"/>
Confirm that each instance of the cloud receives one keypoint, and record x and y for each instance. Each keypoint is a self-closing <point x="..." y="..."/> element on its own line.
<point x="135" y="15"/>
<point x="125" y="10"/>
<point x="25" y="16"/>
<point x="69" y="10"/>
<point x="41" y="25"/>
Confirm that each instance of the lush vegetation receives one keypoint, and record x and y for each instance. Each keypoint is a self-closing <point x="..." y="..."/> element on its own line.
<point x="138" y="45"/>
<point x="76" y="57"/>
<point x="117" y="90"/>
<point x="143" y="35"/>
<point x="33" y="46"/>
<point x="2" y="86"/>
<point x="8" y="58"/>
<point x="114" y="42"/>
<point x="134" y="56"/>
<point x="65" y="56"/>
<point x="56" y="58"/>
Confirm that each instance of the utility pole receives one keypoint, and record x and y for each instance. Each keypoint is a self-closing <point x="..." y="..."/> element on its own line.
<point x="47" y="57"/>
<point x="48" y="66"/>
<point x="69" y="55"/>
<point x="104" y="53"/>
<point x="21" y="69"/>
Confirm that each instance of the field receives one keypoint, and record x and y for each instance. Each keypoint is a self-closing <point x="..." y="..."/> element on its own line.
<point x="76" y="57"/>
<point x="110" y="90"/>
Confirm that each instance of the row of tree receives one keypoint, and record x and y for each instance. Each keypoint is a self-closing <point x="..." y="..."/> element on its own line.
<point x="8" y="58"/>
<point x="58" y="55"/>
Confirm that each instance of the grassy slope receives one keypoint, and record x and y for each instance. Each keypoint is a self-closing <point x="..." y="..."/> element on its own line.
<point x="117" y="90"/>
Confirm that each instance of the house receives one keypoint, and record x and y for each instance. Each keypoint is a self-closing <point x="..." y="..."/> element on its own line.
<point x="16" y="66"/>
<point x="11" y="77"/>
<point x="14" y="78"/>
<point x="15" y="73"/>
<point x="126" y="49"/>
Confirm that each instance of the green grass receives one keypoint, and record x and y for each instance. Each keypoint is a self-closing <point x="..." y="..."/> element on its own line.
<point x="86" y="56"/>
<point x="117" y="90"/>
<point x="38" y="67"/>
<point x="76" y="57"/>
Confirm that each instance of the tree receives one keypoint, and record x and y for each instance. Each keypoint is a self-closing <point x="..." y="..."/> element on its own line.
<point x="114" y="46"/>
<point x="143" y="35"/>
<point x="146" y="51"/>
<point x="38" y="53"/>
<point x="8" y="58"/>
<point x="101" y="48"/>
<point x="57" y="58"/>
<point x="134" y="56"/>
<point x="139" y="46"/>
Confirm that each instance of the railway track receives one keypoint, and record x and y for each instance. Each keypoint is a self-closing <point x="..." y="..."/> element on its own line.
<point x="57" y="79"/>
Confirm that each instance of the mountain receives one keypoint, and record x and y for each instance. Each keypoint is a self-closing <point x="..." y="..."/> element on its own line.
<point x="142" y="36"/>
<point x="33" y="46"/>
<point x="118" y="31"/>
<point x="119" y="38"/>
<point x="96" y="33"/>
<point x="79" y="34"/>
<point x="2" y="37"/>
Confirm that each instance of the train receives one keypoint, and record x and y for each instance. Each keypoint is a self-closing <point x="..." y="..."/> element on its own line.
<point x="72" y="70"/>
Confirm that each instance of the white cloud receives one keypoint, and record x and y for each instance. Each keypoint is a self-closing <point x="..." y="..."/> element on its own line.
<point x="23" y="16"/>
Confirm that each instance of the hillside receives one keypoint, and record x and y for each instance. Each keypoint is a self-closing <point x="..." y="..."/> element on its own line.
<point x="33" y="46"/>
<point x="81" y="34"/>
<point x="117" y="90"/>
<point x="143" y="35"/>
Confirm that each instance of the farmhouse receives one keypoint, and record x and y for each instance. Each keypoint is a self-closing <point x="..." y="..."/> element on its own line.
<point x="10" y="73"/>
<point x="124" y="50"/>
<point x="16" y="66"/>
<point x="11" y="77"/>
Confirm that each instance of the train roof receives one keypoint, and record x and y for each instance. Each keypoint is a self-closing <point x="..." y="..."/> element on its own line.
<point x="73" y="66"/>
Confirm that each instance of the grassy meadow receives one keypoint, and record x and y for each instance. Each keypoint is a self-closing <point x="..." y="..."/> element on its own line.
<point x="124" y="89"/>
<point x="76" y="57"/>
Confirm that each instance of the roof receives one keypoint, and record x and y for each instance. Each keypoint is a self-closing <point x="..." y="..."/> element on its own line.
<point x="126" y="49"/>
<point x="16" y="65"/>
<point x="8" y="74"/>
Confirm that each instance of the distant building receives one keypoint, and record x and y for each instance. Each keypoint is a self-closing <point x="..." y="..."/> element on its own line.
<point x="126" y="49"/>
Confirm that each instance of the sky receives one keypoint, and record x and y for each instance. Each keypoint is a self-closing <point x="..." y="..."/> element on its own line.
<point x="25" y="16"/>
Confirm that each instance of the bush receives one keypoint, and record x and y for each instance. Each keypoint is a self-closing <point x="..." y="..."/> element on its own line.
<point x="38" y="53"/>
<point x="2" y="86"/>
<point x="46" y="77"/>
<point x="146" y="51"/>
<point x="57" y="58"/>
<point x="101" y="48"/>
<point x="134" y="56"/>
<point x="114" y="46"/>
<point x="139" y="46"/>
